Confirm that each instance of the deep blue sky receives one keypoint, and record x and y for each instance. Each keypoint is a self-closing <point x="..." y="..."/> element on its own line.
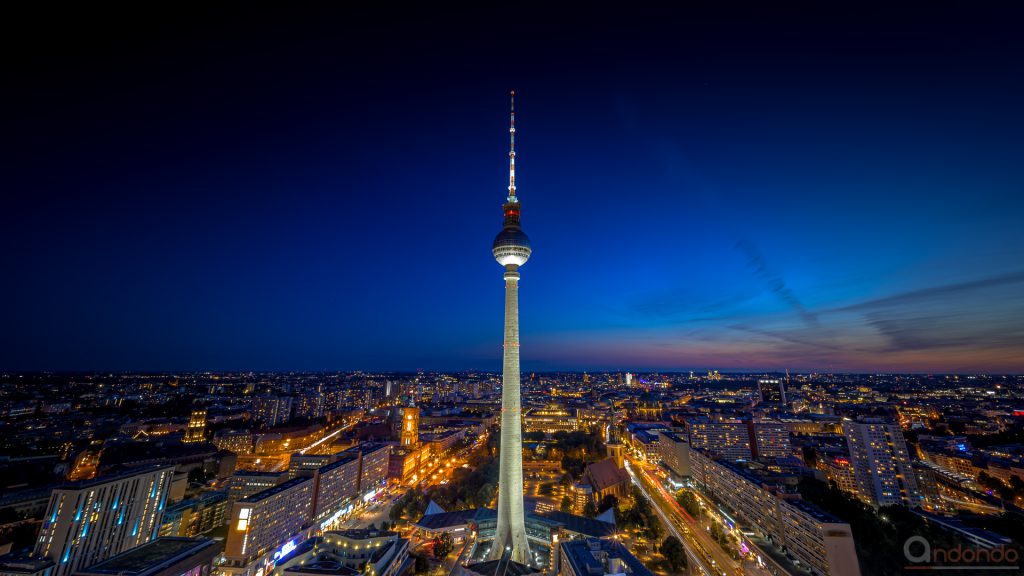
<point x="835" y="187"/>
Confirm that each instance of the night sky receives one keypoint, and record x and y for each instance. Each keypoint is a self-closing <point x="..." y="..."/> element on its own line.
<point x="833" y="187"/>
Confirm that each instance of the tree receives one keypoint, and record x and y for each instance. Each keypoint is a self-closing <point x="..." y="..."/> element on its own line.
<point x="566" y="504"/>
<point x="443" y="545"/>
<point x="689" y="502"/>
<point x="718" y="534"/>
<point x="674" y="553"/>
<point x="609" y="501"/>
<point x="590" y="509"/>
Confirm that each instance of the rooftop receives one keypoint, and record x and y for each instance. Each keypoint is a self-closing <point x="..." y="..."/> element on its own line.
<point x="155" y="556"/>
<point x="581" y="524"/>
<point x="581" y="554"/>
<point x="19" y="563"/>
<point x="274" y="491"/>
<point x="605" y="473"/>
<point x="339" y="463"/>
<point x="105" y="479"/>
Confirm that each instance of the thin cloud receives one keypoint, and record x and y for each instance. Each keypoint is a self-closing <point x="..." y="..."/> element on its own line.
<point x="775" y="282"/>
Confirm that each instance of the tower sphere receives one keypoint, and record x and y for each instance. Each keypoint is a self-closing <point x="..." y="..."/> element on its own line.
<point x="511" y="246"/>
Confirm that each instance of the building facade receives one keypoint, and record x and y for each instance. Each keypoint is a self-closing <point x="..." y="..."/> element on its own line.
<point x="265" y="522"/>
<point x="675" y="453"/>
<point x="726" y="437"/>
<point x="272" y="410"/>
<point x="818" y="540"/>
<point x="90" y="521"/>
<point x="881" y="463"/>
<point x="196" y="430"/>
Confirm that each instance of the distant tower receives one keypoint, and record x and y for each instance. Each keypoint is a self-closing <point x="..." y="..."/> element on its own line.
<point x="511" y="249"/>
<point x="410" y="425"/>
<point x="196" y="431"/>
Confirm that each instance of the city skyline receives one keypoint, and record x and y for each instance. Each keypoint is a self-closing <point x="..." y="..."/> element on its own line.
<point x="217" y="200"/>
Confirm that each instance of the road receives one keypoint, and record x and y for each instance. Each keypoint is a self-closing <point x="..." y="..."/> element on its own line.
<point x="695" y="556"/>
<point x="711" y="559"/>
<point x="375" y="515"/>
<point x="455" y="560"/>
<point x="326" y="438"/>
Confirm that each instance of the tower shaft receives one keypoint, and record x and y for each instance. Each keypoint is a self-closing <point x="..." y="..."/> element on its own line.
<point x="511" y="530"/>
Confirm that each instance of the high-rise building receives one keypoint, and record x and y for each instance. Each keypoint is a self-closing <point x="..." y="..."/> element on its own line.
<point x="675" y="453"/>
<point x="511" y="249"/>
<point x="373" y="465"/>
<point x="725" y="437"/>
<point x="337" y="484"/>
<point x="245" y="483"/>
<point x="881" y="462"/>
<point x="195" y="516"/>
<point x="267" y="519"/>
<point x="769" y="439"/>
<point x="90" y="521"/>
<point x="196" y="431"/>
<point x="272" y="410"/>
<point x="820" y="541"/>
<point x="839" y="472"/>
<point x="309" y="405"/>
<point x="772" y="390"/>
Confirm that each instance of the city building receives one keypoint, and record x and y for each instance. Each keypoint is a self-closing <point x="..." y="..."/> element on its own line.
<point x="838" y="471"/>
<point x="236" y="441"/>
<point x="881" y="462"/>
<point x="605" y="478"/>
<point x="820" y="541"/>
<point x="597" y="557"/>
<point x="511" y="249"/>
<point x="348" y="552"/>
<point x="309" y="406"/>
<point x="726" y="437"/>
<point x="769" y="439"/>
<point x="195" y="516"/>
<point x="551" y="418"/>
<point x="441" y="443"/>
<point x="272" y="410"/>
<point x="245" y="483"/>
<point x="161" y="557"/>
<point x="772" y="390"/>
<point x="92" y="520"/>
<point x="410" y="436"/>
<point x="337" y="485"/>
<point x="675" y="453"/>
<point x="373" y="466"/>
<point x="268" y="523"/>
<point x="196" y="430"/>
<point x="25" y="565"/>
<point x="300" y="464"/>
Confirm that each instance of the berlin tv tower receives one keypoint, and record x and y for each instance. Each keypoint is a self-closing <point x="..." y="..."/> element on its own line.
<point x="511" y="249"/>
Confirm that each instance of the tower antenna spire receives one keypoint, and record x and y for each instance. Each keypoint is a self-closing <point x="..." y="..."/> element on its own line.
<point x="512" y="150"/>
